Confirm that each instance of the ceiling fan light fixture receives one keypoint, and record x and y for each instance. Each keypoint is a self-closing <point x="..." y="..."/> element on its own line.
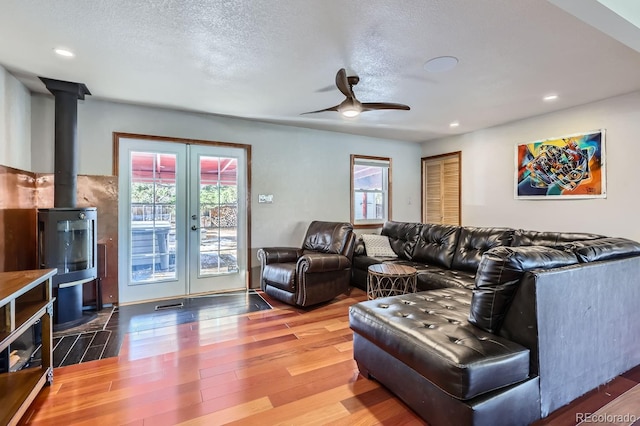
<point x="352" y="107"/>
<point x="350" y="112"/>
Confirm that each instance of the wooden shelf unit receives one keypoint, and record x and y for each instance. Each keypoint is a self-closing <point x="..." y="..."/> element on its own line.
<point x="25" y="299"/>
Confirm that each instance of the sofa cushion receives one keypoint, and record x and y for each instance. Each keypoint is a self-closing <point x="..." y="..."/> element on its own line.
<point x="604" y="249"/>
<point x="522" y="237"/>
<point x="433" y="278"/>
<point x="473" y="242"/>
<point x="436" y="244"/>
<point x="363" y="262"/>
<point x="499" y="275"/>
<point x="378" y="246"/>
<point x="430" y="333"/>
<point x="402" y="237"/>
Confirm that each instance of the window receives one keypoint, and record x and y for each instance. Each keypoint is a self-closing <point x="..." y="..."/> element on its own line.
<point x="370" y="191"/>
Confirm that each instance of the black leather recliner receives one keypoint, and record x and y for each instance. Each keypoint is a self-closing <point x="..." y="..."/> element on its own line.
<point x="315" y="273"/>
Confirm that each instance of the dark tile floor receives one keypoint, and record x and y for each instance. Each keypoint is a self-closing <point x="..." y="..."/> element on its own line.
<point x="102" y="337"/>
<point x="82" y="347"/>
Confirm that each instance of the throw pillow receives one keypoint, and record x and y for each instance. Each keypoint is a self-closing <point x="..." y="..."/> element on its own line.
<point x="378" y="246"/>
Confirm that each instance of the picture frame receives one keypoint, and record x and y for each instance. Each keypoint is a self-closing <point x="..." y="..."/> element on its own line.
<point x="565" y="167"/>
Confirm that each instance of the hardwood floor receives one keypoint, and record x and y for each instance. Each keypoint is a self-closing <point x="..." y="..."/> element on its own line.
<point x="281" y="366"/>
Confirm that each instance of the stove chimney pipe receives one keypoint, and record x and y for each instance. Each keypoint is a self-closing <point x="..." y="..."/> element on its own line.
<point x="66" y="139"/>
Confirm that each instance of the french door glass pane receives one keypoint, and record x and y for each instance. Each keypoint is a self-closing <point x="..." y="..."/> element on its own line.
<point x="153" y="212"/>
<point x="218" y="207"/>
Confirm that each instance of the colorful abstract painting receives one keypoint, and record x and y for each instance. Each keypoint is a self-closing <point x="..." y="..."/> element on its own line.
<point x="567" y="167"/>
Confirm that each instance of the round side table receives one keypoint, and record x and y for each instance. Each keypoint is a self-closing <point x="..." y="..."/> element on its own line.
<point x="385" y="280"/>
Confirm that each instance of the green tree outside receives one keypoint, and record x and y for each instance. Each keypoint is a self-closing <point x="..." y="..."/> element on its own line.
<point x="158" y="193"/>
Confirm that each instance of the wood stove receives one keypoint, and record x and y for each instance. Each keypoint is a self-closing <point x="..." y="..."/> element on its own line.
<point x="67" y="240"/>
<point x="67" y="235"/>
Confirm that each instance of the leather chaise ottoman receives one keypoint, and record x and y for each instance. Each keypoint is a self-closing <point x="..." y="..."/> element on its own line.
<point x="542" y="324"/>
<point x="465" y="368"/>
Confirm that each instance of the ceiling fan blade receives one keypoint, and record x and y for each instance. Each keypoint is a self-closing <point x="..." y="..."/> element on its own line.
<point x="333" y="108"/>
<point x="343" y="83"/>
<point x="372" y="106"/>
<point x="326" y="88"/>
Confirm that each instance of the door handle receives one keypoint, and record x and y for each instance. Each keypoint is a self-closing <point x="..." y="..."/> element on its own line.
<point x="194" y="228"/>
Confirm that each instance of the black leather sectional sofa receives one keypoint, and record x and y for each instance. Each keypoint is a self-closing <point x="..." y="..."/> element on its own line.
<point x="508" y="325"/>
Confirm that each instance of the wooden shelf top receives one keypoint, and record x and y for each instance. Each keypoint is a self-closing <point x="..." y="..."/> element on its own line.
<point x="15" y="283"/>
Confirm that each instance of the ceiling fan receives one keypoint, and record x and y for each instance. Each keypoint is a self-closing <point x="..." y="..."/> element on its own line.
<point x="352" y="107"/>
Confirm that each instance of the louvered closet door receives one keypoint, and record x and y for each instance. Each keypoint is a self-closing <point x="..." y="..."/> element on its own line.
<point x="433" y="192"/>
<point x="451" y="191"/>
<point x="441" y="189"/>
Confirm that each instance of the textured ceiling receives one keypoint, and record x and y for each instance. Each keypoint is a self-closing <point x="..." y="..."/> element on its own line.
<point x="271" y="60"/>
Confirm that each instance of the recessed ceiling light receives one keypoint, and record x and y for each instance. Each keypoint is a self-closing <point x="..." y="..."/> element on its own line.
<point x="550" y="98"/>
<point x="454" y="124"/>
<point x="64" y="52"/>
<point x="441" y="64"/>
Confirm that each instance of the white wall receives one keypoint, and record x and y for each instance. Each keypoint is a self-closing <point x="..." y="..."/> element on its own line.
<point x="488" y="170"/>
<point x="307" y="171"/>
<point x="15" y="122"/>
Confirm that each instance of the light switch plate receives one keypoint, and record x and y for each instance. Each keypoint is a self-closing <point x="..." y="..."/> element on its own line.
<point x="265" y="198"/>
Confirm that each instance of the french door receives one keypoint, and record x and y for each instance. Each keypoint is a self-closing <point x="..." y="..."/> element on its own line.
<point x="182" y="219"/>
